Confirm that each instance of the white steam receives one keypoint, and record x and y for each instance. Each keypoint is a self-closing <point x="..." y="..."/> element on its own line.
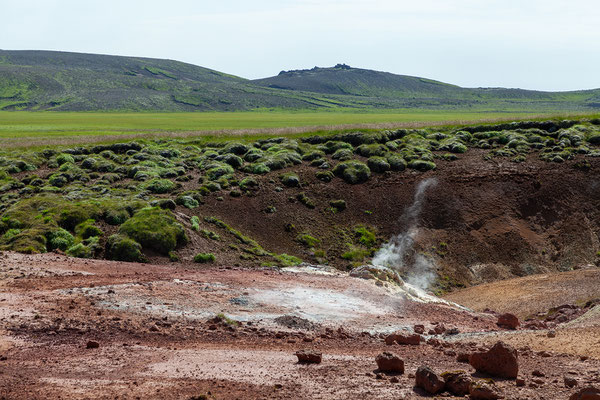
<point x="394" y="253"/>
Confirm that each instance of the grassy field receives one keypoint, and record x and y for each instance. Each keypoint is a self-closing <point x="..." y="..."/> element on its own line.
<point x="48" y="127"/>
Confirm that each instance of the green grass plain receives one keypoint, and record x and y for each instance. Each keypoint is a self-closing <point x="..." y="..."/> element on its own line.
<point x="38" y="125"/>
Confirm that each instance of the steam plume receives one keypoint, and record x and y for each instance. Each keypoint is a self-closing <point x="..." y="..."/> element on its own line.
<point x="394" y="252"/>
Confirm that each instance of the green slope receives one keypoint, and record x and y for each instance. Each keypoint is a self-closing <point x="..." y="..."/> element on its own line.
<point x="46" y="80"/>
<point x="37" y="80"/>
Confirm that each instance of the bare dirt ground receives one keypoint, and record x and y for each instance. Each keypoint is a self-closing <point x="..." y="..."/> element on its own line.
<point x="157" y="337"/>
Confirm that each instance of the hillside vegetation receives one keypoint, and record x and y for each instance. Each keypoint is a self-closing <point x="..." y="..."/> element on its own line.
<point x="45" y="80"/>
<point x="512" y="198"/>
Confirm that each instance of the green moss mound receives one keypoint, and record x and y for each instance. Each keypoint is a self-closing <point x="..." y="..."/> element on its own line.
<point x="352" y="172"/>
<point x="204" y="258"/>
<point x="155" y="229"/>
<point x="122" y="248"/>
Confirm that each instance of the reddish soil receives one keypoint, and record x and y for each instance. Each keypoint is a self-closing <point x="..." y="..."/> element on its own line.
<point x="157" y="337"/>
<point x="498" y="219"/>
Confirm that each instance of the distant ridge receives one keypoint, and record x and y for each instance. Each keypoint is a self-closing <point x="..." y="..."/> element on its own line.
<point x="62" y="81"/>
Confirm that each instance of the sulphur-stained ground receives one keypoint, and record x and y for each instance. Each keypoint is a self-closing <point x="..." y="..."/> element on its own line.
<point x="75" y="329"/>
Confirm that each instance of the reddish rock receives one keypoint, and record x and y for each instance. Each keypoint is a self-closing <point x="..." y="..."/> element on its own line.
<point x="500" y="360"/>
<point x="428" y="380"/>
<point x="403" y="338"/>
<point x="439" y="329"/>
<point x="588" y="393"/>
<point x="457" y="382"/>
<point x="390" y="362"/>
<point x="309" y="356"/>
<point x="570" y="381"/>
<point x="520" y="382"/>
<point x="420" y="329"/>
<point x="508" y="321"/>
<point x="484" y="390"/>
<point x="92" y="345"/>
<point x="535" y="325"/>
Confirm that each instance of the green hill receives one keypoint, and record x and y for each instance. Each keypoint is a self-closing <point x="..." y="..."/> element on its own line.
<point x="47" y="80"/>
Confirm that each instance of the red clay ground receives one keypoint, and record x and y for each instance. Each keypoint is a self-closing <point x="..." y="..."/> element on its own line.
<point x="156" y="338"/>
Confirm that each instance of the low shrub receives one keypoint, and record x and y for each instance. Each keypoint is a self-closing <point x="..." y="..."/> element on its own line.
<point x="290" y="180"/>
<point x="80" y="251"/>
<point x="343" y="155"/>
<point x="365" y="236"/>
<point x="60" y="239"/>
<point x="286" y="260"/>
<point x="308" y="240"/>
<point x="356" y="254"/>
<point x="187" y="201"/>
<point x="338" y="205"/>
<point x="352" y="172"/>
<point x="325" y="176"/>
<point x="210" y="234"/>
<point x="378" y="164"/>
<point x="87" y="229"/>
<point x="396" y="162"/>
<point x="64" y="158"/>
<point x="195" y="221"/>
<point x="370" y="150"/>
<point x="204" y="258"/>
<point x="421" y="165"/>
<point x="159" y="186"/>
<point x="122" y="248"/>
<point x="155" y="229"/>
<point x="248" y="182"/>
<point x="304" y="199"/>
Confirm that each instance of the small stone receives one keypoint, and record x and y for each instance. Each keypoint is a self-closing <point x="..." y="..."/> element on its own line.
<point x="537" y="372"/>
<point x="420" y="329"/>
<point x="587" y="393"/>
<point x="551" y="334"/>
<point x="457" y="382"/>
<point x="403" y="338"/>
<point x="500" y="360"/>
<point x="484" y="390"/>
<point x="394" y="379"/>
<point x="570" y="381"/>
<point x="390" y="362"/>
<point x="92" y="345"/>
<point x="309" y="357"/>
<point x="508" y="321"/>
<point x="463" y="357"/>
<point x="428" y="380"/>
<point x="520" y="382"/>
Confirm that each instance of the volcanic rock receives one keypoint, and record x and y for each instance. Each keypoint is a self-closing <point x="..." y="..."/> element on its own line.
<point x="570" y="381"/>
<point x="390" y="362"/>
<point x="535" y="325"/>
<point x="428" y="380"/>
<point x="508" y="321"/>
<point x="500" y="360"/>
<point x="309" y="356"/>
<point x="457" y="382"/>
<point x="403" y="338"/>
<point x="588" y="393"/>
<point x="420" y="329"/>
<point x="484" y="390"/>
<point x="92" y="345"/>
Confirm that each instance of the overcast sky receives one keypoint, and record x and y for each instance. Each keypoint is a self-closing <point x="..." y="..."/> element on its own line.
<point x="532" y="44"/>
